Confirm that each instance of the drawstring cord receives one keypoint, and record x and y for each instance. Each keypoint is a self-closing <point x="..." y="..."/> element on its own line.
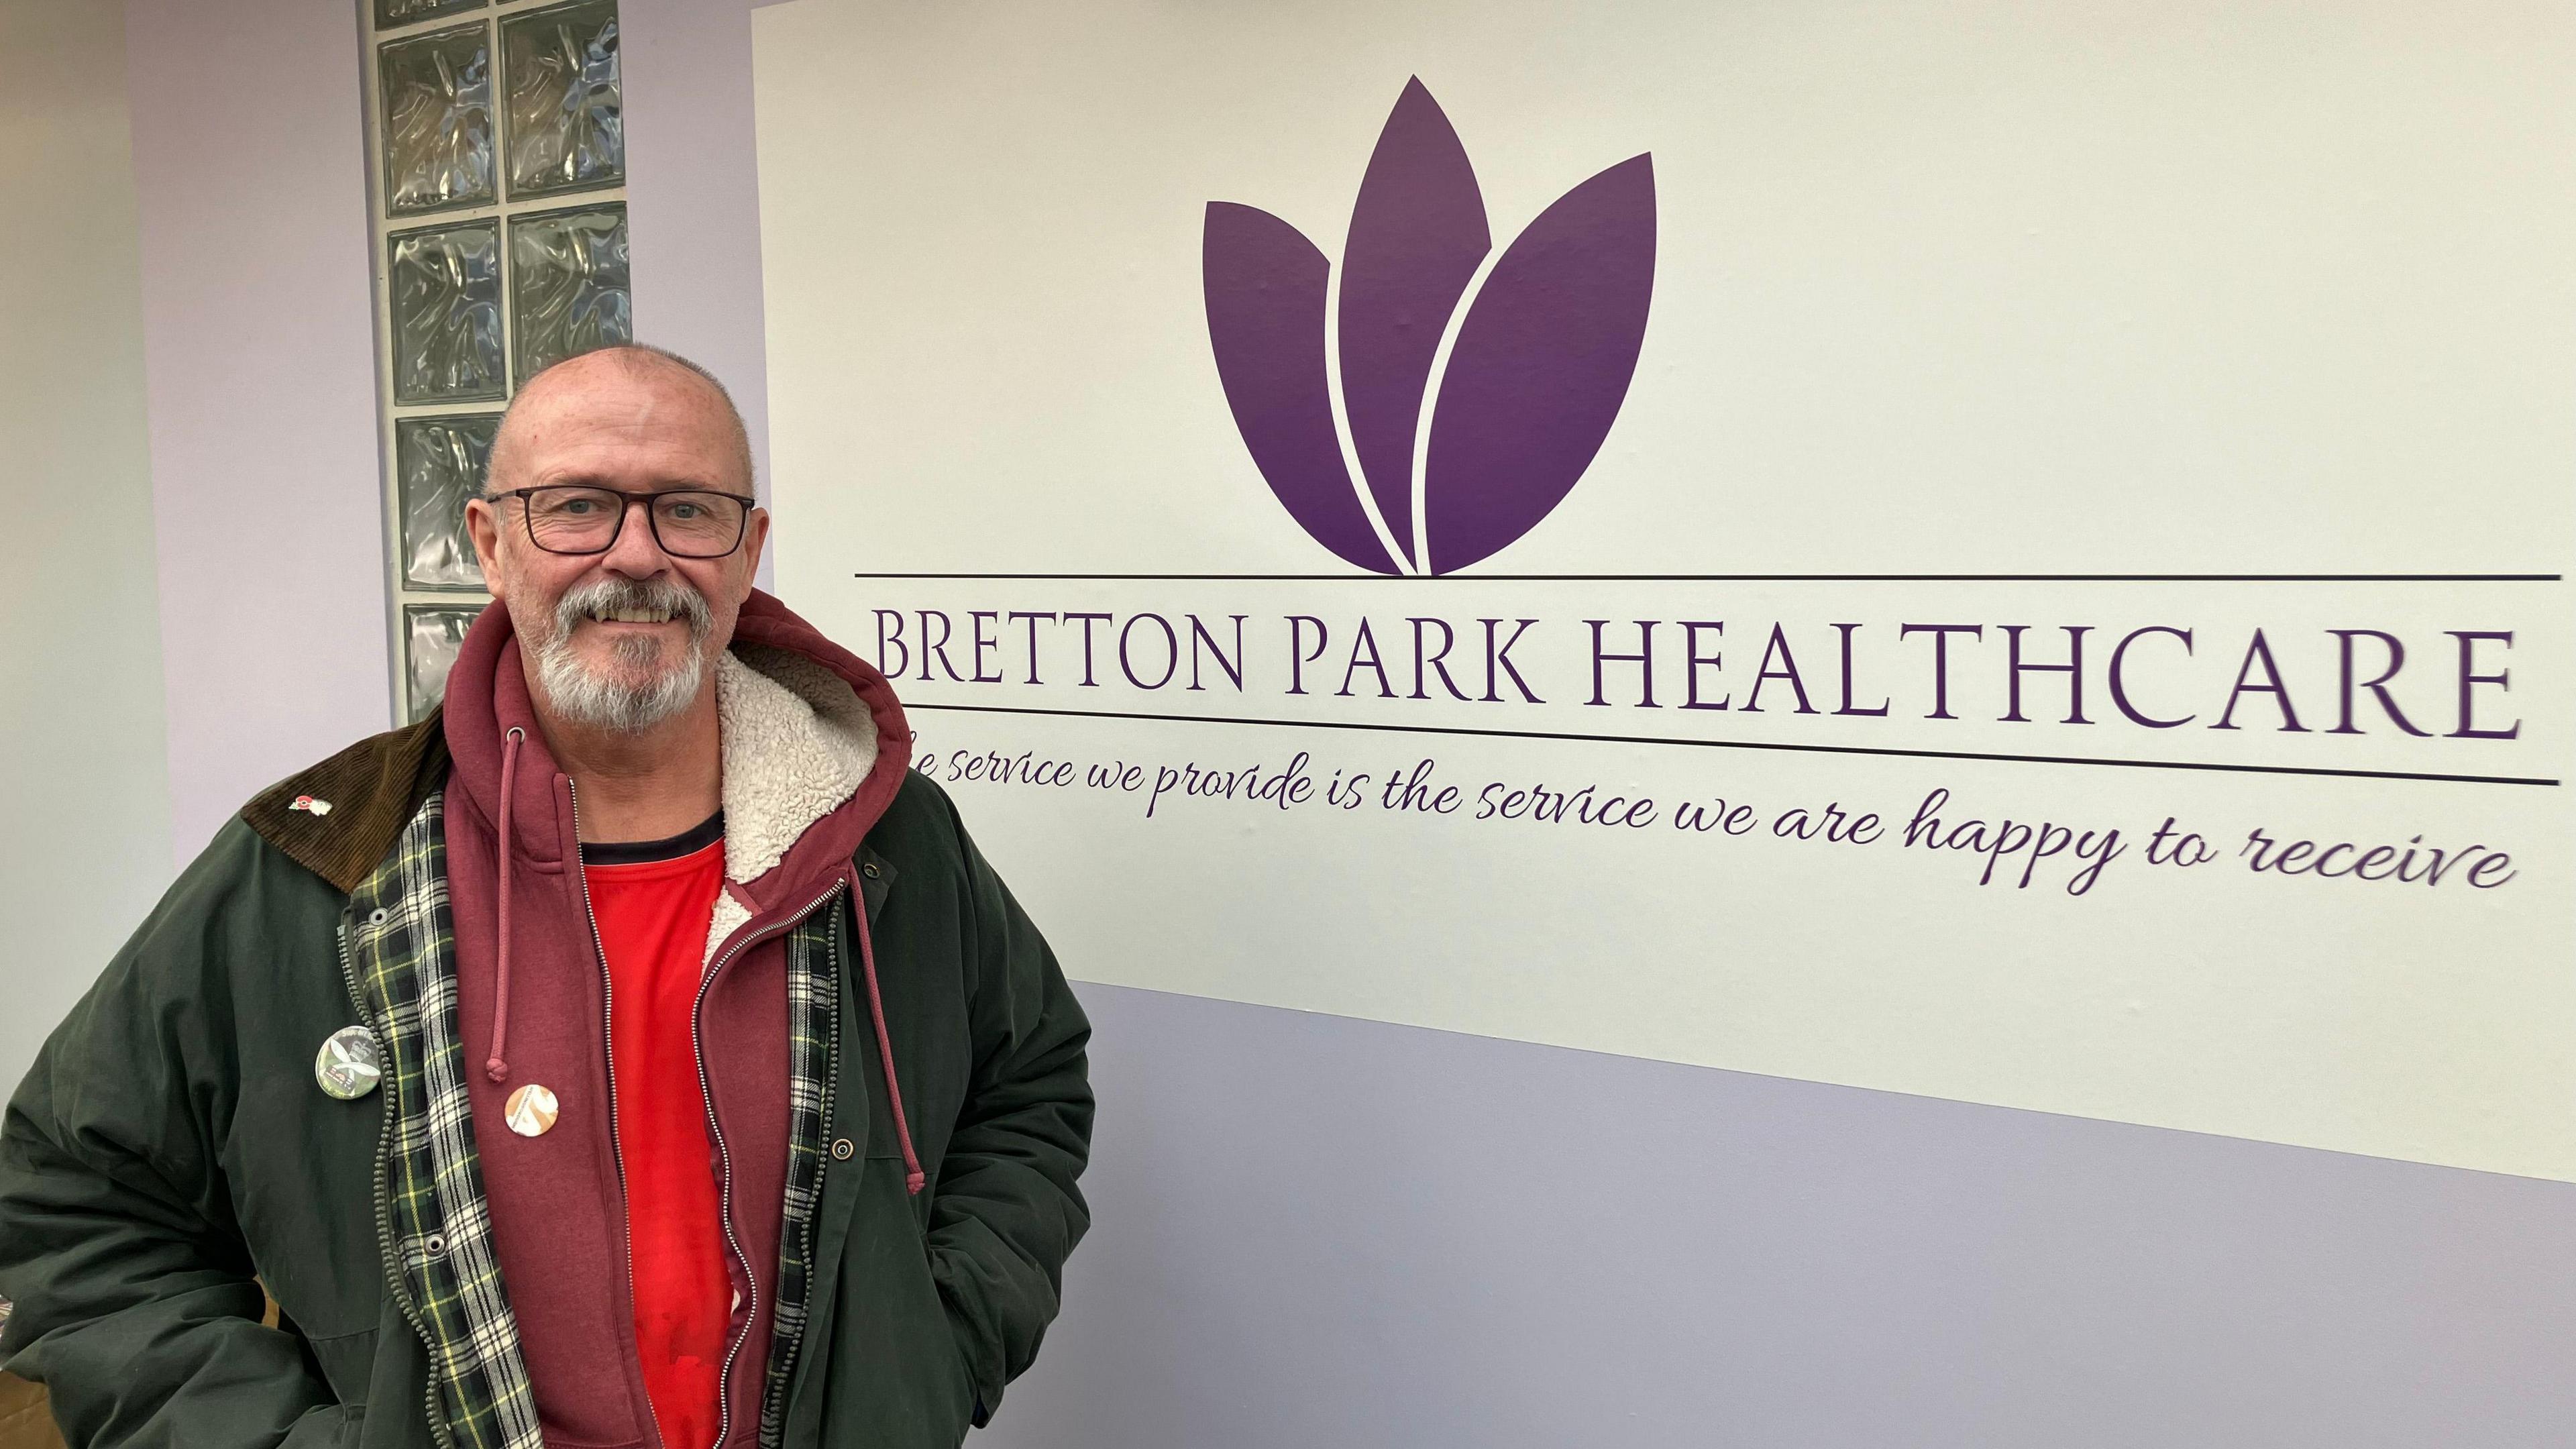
<point x="496" y="1067"/>
<point x="913" y="1177"/>
<point x="493" y="1066"/>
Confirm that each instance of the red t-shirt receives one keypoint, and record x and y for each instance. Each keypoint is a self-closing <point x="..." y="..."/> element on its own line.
<point x="654" y="902"/>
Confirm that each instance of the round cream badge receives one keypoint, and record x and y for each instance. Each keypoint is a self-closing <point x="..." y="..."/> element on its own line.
<point x="347" y="1066"/>
<point x="531" y="1111"/>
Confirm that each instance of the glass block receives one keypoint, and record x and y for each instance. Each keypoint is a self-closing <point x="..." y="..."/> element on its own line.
<point x="567" y="129"/>
<point x="568" y="290"/>
<point x="437" y="93"/>
<point x="404" y="12"/>
<point x="446" y="290"/>
<point x="438" y="465"/>
<point x="434" y="634"/>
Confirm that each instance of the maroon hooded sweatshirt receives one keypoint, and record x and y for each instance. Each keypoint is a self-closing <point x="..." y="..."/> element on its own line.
<point x="558" y="1200"/>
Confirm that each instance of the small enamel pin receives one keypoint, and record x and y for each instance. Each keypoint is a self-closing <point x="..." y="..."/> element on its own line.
<point x="310" y="805"/>
<point x="531" y="1111"/>
<point x="348" y="1066"/>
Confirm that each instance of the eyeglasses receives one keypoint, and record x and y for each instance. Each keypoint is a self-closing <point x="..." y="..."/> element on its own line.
<point x="686" y="522"/>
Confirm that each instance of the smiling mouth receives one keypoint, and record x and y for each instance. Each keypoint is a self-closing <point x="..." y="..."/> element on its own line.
<point x="631" y="616"/>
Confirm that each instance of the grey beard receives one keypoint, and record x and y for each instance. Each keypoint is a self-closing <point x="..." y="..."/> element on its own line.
<point x="599" y="699"/>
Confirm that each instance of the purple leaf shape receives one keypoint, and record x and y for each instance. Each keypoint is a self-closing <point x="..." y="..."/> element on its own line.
<point x="1265" y="306"/>
<point x="1540" y="366"/>
<point x="1417" y="232"/>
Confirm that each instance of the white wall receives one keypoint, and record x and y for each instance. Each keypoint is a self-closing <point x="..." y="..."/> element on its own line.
<point x="84" y="784"/>
<point x="2187" y="293"/>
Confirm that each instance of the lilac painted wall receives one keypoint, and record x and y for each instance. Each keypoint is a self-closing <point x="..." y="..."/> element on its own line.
<point x="693" y="196"/>
<point x="1318" y="1231"/>
<point x="260" y="381"/>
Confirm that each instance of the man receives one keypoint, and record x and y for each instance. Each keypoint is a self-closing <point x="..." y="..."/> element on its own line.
<point x="634" y="1053"/>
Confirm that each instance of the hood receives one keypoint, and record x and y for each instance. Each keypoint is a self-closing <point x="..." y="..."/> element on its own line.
<point x="815" y="747"/>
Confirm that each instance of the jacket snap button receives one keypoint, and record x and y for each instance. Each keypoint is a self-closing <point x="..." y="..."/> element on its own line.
<point x="869" y="870"/>
<point x="434" y="1246"/>
<point x="842" y="1151"/>
<point x="377" y="916"/>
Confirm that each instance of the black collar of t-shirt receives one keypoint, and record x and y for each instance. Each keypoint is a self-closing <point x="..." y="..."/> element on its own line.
<point x="645" y="852"/>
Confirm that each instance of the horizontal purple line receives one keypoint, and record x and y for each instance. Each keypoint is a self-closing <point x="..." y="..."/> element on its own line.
<point x="1362" y="578"/>
<point x="1317" y="724"/>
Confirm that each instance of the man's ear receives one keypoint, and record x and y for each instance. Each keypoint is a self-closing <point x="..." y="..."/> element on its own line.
<point x="755" y="538"/>
<point x="483" y="523"/>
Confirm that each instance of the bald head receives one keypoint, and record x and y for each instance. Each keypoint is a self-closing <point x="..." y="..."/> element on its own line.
<point x="632" y="386"/>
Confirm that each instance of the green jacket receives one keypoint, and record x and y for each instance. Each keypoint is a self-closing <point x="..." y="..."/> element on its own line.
<point x="170" y="1153"/>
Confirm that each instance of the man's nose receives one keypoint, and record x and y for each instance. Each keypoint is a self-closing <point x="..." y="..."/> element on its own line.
<point x="637" y="553"/>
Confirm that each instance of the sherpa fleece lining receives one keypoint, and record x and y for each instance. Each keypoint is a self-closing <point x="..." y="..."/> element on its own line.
<point x="796" y="743"/>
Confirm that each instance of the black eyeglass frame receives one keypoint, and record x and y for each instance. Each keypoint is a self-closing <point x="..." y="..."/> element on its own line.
<point x="528" y="520"/>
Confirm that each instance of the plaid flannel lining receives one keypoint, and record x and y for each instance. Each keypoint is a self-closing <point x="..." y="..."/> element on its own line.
<point x="813" y="1039"/>
<point x="430" y="1201"/>
<point x="402" y="950"/>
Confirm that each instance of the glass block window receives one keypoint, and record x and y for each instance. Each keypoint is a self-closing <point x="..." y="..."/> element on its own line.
<point x="446" y="294"/>
<point x="566" y="131"/>
<point x="498" y="150"/>
<point x="390" y="13"/>
<point x="438" y="465"/>
<point x="436" y="91"/>
<point x="431" y="639"/>
<point x="568" y="292"/>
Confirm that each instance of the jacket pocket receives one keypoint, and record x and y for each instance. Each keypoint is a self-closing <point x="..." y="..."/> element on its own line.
<point x="958" y="1355"/>
<point x="894" y="1375"/>
<point x="348" y="1360"/>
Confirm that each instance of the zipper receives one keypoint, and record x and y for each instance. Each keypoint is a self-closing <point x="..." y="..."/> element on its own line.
<point x="776" y="1400"/>
<point x="608" y="1050"/>
<point x="724" y="1155"/>
<point x="386" y="1248"/>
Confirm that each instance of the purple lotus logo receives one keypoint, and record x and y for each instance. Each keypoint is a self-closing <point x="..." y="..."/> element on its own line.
<point x="1471" y="413"/>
